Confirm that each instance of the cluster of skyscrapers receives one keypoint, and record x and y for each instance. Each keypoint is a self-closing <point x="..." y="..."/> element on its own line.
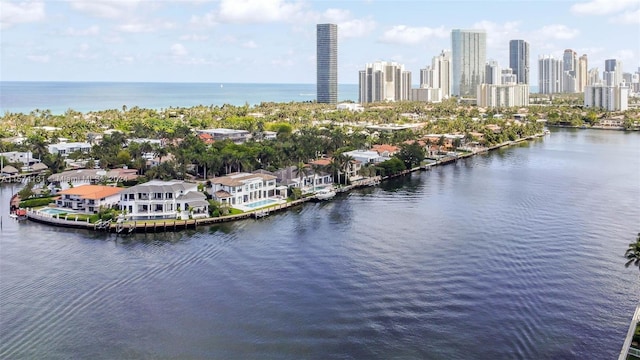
<point x="464" y="72"/>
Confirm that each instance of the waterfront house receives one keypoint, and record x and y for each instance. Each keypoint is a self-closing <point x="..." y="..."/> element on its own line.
<point x="291" y="178"/>
<point x="158" y="199"/>
<point x="385" y="150"/>
<point x="24" y="157"/>
<point x="88" y="198"/>
<point x="321" y="172"/>
<point x="243" y="188"/>
<point x="367" y="156"/>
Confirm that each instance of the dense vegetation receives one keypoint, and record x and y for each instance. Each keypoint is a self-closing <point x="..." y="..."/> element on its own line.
<point x="305" y="131"/>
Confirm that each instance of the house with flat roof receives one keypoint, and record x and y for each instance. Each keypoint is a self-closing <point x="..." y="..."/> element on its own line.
<point x="66" y="148"/>
<point x="88" y="198"/>
<point x="367" y="156"/>
<point x="243" y="189"/>
<point x="237" y="136"/>
<point x="24" y="157"/>
<point x="158" y="199"/>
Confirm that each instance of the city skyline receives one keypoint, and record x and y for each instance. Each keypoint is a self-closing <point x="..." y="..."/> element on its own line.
<point x="274" y="41"/>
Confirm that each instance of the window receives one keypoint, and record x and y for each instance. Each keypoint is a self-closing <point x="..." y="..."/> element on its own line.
<point x="169" y="195"/>
<point x="158" y="208"/>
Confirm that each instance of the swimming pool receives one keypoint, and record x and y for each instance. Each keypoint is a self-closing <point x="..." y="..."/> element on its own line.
<point x="56" y="211"/>
<point x="261" y="203"/>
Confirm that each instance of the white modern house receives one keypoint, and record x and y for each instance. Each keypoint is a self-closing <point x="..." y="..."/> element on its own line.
<point x="66" y="148"/>
<point x="237" y="136"/>
<point x="244" y="189"/>
<point x="367" y="156"/>
<point x="24" y="157"/>
<point x="158" y="199"/>
<point x="88" y="198"/>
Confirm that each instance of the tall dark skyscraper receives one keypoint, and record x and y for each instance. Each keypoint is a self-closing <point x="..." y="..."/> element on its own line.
<point x="519" y="60"/>
<point x="327" y="63"/>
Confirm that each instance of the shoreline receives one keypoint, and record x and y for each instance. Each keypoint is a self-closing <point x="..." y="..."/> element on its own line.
<point x="616" y="128"/>
<point x="170" y="225"/>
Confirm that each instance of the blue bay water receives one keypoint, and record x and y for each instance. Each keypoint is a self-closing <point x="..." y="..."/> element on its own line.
<point x="516" y="254"/>
<point x="24" y="97"/>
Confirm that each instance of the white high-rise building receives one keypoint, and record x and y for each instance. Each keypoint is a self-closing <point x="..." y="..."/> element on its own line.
<point x="508" y="77"/>
<point x="384" y="81"/>
<point x="612" y="75"/>
<point x="492" y="73"/>
<point x="549" y="75"/>
<point x="569" y="82"/>
<point x="582" y="73"/>
<point x="593" y="76"/>
<point x="468" y="59"/>
<point x="609" y="98"/>
<point x="435" y="76"/>
<point x="509" y="95"/>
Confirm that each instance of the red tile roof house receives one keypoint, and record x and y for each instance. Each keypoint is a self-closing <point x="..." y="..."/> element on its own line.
<point x="89" y="198"/>
<point x="385" y="150"/>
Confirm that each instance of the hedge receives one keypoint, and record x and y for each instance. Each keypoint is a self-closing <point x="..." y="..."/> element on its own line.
<point x="31" y="203"/>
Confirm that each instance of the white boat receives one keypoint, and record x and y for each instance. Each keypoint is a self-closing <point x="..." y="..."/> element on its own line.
<point x="325" y="194"/>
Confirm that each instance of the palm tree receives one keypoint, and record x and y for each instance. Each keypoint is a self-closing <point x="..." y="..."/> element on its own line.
<point x="633" y="254"/>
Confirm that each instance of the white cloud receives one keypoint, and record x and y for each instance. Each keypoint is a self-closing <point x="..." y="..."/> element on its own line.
<point x="336" y="15"/>
<point x="12" y="13"/>
<point x="194" y="37"/>
<point x="209" y="19"/>
<point x="39" y="58"/>
<point x="628" y="17"/>
<point x="178" y="50"/>
<point x="250" y="44"/>
<point x="626" y="55"/>
<point x="90" y="31"/>
<point x="257" y="11"/>
<point x="355" y="28"/>
<point x="402" y="34"/>
<point x="602" y="7"/>
<point x="145" y="27"/>
<point x="108" y="9"/>
<point x="557" y="31"/>
<point x="498" y="35"/>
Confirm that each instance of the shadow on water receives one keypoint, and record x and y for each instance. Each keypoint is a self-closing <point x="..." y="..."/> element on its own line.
<point x="408" y="184"/>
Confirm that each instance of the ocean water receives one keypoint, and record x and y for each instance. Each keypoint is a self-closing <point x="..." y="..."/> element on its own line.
<point x="516" y="254"/>
<point x="24" y="97"/>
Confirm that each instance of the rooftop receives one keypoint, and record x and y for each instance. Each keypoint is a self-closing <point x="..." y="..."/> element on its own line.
<point x="92" y="192"/>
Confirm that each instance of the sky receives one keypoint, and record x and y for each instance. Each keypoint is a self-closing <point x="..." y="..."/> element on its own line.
<point x="274" y="41"/>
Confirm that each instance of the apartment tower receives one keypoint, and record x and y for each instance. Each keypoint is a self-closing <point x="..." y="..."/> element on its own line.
<point x="612" y="72"/>
<point x="468" y="59"/>
<point x="327" y="63"/>
<point x="550" y="75"/>
<point x="384" y="81"/>
<point x="519" y="60"/>
<point x="582" y="73"/>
